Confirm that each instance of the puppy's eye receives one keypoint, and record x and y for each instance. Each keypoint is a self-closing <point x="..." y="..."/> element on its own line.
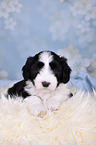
<point x="53" y="65"/>
<point x="40" y="64"/>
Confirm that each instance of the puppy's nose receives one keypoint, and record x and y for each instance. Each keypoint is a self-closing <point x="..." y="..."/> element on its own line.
<point x="45" y="84"/>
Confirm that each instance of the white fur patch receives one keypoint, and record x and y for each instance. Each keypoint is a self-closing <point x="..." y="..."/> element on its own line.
<point x="46" y="73"/>
<point x="46" y="57"/>
<point x="48" y="100"/>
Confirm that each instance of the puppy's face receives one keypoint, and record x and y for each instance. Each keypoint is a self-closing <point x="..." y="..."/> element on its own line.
<point x="46" y="70"/>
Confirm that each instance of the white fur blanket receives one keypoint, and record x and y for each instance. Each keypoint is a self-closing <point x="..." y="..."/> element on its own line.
<point x="73" y="124"/>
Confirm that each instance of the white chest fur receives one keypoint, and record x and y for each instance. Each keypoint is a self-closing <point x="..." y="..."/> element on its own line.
<point x="46" y="99"/>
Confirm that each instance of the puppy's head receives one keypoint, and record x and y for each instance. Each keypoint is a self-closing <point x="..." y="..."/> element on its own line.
<point x="46" y="70"/>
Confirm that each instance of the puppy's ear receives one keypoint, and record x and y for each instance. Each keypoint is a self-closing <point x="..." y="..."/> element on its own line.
<point x="26" y="68"/>
<point x="66" y="70"/>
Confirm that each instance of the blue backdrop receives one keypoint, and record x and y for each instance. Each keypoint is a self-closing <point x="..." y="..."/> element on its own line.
<point x="67" y="27"/>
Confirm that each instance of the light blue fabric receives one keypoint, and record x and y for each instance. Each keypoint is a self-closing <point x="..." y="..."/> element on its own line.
<point x="84" y="81"/>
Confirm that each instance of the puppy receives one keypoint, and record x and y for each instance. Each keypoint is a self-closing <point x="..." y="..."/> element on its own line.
<point x="45" y="82"/>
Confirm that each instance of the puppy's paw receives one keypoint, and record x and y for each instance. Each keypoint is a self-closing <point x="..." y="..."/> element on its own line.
<point x="42" y="113"/>
<point x="35" y="106"/>
<point x="53" y="104"/>
<point x="38" y="110"/>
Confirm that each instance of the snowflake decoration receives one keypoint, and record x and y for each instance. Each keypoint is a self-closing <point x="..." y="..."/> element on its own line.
<point x="4" y="10"/>
<point x="86" y="38"/>
<point x="10" y="23"/>
<point x="84" y="27"/>
<point x="90" y="12"/>
<point x="75" y="60"/>
<point x="7" y="7"/>
<point x="77" y="9"/>
<point x="70" y="52"/>
<point x="78" y="64"/>
<point x="15" y="6"/>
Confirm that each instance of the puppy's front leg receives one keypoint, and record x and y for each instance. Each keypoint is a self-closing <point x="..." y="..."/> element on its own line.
<point x="60" y="95"/>
<point x="54" y="102"/>
<point x="35" y="106"/>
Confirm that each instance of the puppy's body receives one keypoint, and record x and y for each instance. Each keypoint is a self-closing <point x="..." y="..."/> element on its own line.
<point x="18" y="90"/>
<point x="45" y="77"/>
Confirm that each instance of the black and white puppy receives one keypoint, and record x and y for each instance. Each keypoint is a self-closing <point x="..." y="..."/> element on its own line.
<point x="45" y="82"/>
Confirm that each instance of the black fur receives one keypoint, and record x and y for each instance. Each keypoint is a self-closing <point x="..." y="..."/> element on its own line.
<point x="32" y="67"/>
<point x="18" y="90"/>
<point x="60" y="68"/>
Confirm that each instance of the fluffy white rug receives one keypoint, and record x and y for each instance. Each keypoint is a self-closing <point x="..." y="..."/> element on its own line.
<point x="73" y="124"/>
